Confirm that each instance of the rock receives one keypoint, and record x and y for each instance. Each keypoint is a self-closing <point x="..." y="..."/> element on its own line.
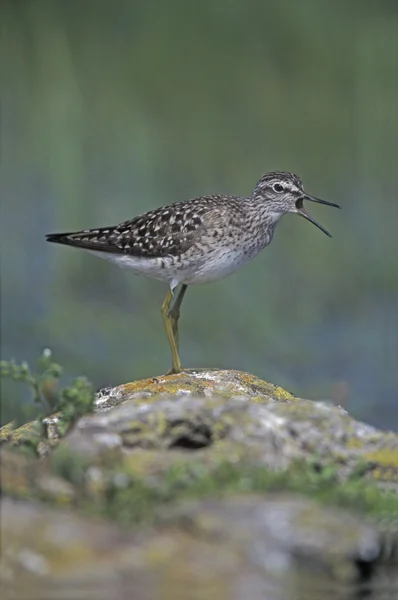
<point x="235" y="416"/>
<point x="213" y="438"/>
<point x="202" y="382"/>
<point x="230" y="414"/>
<point x="247" y="547"/>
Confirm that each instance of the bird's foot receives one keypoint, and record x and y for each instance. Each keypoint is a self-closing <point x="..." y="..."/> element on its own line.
<point x="175" y="371"/>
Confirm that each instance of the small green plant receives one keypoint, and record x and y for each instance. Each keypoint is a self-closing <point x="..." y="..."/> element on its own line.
<point x="43" y="381"/>
<point x="71" y="402"/>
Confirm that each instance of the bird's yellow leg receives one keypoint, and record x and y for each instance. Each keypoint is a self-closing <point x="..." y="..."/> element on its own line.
<point x="176" y="363"/>
<point x="175" y="312"/>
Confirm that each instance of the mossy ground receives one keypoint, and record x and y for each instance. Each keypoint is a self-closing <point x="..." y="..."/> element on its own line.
<point x="120" y="495"/>
<point x="133" y="483"/>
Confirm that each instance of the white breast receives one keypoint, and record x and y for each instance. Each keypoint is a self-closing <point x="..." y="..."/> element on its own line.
<point x="217" y="264"/>
<point x="148" y="267"/>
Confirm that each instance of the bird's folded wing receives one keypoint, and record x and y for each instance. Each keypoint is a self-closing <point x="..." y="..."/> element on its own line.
<point x="161" y="232"/>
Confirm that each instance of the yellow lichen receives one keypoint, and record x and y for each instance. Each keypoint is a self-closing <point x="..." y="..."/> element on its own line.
<point x="355" y="443"/>
<point x="6" y="432"/>
<point x="384" y="464"/>
<point x="222" y="382"/>
<point x="385" y="457"/>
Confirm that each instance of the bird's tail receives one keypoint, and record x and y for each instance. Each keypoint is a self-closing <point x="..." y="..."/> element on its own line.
<point x="58" y="238"/>
<point x="91" y="239"/>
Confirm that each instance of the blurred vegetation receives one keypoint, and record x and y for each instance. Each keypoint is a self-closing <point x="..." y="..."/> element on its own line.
<point x="43" y="382"/>
<point x="69" y="403"/>
<point x="122" y="496"/>
<point x="109" y="109"/>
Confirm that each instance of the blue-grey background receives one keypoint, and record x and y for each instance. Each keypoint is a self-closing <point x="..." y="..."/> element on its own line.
<point x="109" y="109"/>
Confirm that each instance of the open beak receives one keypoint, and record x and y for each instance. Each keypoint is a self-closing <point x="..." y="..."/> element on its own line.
<point x="301" y="210"/>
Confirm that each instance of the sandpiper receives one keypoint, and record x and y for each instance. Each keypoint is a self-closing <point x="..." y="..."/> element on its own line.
<point x="197" y="241"/>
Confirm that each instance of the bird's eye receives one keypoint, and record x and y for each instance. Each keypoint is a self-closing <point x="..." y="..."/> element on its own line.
<point x="278" y="187"/>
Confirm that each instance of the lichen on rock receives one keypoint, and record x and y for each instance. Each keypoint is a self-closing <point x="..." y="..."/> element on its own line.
<point x="267" y="476"/>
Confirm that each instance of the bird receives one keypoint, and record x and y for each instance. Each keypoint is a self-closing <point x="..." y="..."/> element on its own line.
<point x="200" y="240"/>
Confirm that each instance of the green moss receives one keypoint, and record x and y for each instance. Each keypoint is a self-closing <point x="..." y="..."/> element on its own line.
<point x="128" y="495"/>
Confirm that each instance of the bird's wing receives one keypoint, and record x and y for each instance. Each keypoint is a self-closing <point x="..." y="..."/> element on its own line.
<point x="169" y="230"/>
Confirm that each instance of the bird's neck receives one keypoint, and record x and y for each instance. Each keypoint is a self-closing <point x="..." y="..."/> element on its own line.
<point x="260" y="214"/>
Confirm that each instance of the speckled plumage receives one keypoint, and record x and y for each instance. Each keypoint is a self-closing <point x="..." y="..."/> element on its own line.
<point x="197" y="241"/>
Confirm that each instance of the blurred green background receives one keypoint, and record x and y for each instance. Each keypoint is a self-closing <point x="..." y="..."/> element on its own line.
<point x="109" y="109"/>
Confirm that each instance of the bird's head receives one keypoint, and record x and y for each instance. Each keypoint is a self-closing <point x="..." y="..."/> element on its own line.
<point x="284" y="193"/>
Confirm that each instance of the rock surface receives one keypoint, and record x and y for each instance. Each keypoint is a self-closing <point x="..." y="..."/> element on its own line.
<point x="176" y="460"/>
<point x="235" y="415"/>
<point x="246" y="547"/>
